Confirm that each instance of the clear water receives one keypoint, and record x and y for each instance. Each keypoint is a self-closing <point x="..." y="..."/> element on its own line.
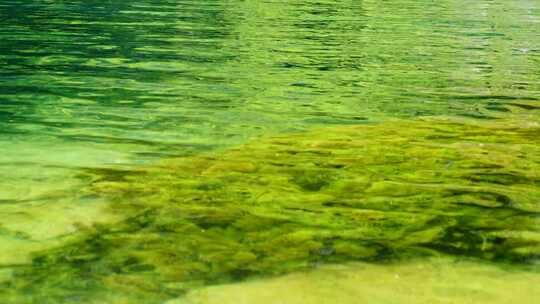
<point x="92" y="93"/>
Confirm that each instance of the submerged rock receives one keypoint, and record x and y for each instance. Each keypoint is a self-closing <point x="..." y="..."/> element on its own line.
<point x="440" y="280"/>
<point x="374" y="193"/>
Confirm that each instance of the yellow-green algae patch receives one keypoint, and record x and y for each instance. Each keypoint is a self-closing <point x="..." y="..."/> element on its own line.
<point x="432" y="281"/>
<point x="374" y="193"/>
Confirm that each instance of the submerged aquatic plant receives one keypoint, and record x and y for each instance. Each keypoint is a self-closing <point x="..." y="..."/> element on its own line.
<point x="376" y="192"/>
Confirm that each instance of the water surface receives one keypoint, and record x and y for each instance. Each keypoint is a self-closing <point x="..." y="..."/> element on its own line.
<point x="92" y="93"/>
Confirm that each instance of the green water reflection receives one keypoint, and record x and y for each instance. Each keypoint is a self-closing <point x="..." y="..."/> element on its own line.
<point x="105" y="107"/>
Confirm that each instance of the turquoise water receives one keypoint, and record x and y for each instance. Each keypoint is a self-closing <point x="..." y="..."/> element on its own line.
<point x="94" y="90"/>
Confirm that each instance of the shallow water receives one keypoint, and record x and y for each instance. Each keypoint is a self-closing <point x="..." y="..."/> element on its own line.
<point x="439" y="280"/>
<point x="233" y="131"/>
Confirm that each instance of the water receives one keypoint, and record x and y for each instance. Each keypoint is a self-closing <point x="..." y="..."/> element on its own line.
<point x="103" y="99"/>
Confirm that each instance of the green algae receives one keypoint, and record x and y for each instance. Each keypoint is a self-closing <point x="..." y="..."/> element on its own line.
<point x="375" y="193"/>
<point x="119" y="84"/>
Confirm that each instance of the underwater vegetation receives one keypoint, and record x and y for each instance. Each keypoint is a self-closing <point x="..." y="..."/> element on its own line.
<point x="383" y="192"/>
